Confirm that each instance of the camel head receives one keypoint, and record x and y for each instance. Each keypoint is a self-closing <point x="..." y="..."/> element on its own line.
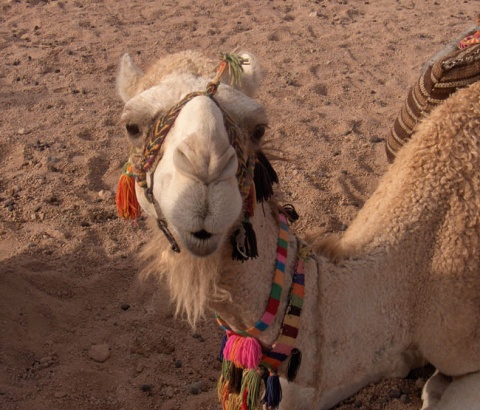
<point x="199" y="176"/>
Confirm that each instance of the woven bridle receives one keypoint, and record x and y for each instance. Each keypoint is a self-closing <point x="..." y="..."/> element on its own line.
<point x="143" y="162"/>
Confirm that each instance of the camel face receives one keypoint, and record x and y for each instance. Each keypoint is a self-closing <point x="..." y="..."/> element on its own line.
<point x="195" y="183"/>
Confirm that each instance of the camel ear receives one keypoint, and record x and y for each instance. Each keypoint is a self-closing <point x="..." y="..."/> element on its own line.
<point x="128" y="78"/>
<point x="251" y="75"/>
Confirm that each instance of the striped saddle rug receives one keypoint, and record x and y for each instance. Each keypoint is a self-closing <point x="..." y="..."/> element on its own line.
<point x="456" y="66"/>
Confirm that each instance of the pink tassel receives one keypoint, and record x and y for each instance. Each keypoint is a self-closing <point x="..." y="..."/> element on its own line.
<point x="244" y="352"/>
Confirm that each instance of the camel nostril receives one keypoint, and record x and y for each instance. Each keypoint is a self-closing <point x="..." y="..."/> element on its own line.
<point x="203" y="234"/>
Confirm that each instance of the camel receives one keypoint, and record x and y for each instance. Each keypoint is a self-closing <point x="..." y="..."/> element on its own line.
<point x="399" y="288"/>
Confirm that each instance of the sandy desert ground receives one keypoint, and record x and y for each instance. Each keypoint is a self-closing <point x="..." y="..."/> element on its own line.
<point x="78" y="330"/>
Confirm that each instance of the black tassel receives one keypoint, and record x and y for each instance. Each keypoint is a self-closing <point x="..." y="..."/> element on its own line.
<point x="235" y="379"/>
<point x="244" y="242"/>
<point x="290" y="212"/>
<point x="250" y="240"/>
<point x="220" y="353"/>
<point x="264" y="177"/>
<point x="294" y="364"/>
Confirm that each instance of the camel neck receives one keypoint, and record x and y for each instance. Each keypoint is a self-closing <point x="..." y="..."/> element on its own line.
<point x="250" y="282"/>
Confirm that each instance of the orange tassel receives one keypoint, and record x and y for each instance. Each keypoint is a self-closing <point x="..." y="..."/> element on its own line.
<point x="126" y="198"/>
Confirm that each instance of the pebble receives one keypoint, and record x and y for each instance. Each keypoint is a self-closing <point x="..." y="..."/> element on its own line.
<point x="105" y="194"/>
<point x="375" y="140"/>
<point x="168" y="392"/>
<point x="125" y="306"/>
<point x="357" y="404"/>
<point x="100" y="353"/>
<point x="395" y="394"/>
<point x="21" y="131"/>
<point x="404" y="399"/>
<point x="147" y="388"/>
<point x="59" y="394"/>
<point x="419" y="383"/>
<point x="178" y="363"/>
<point x="196" y="388"/>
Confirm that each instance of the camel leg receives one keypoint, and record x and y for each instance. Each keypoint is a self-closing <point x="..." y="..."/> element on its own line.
<point x="434" y="389"/>
<point x="444" y="393"/>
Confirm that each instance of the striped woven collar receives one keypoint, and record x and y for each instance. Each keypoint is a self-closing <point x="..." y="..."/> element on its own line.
<point x="283" y="346"/>
<point x="277" y="287"/>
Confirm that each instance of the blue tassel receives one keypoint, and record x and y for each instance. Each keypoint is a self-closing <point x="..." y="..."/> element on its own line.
<point x="273" y="392"/>
<point x="220" y="353"/>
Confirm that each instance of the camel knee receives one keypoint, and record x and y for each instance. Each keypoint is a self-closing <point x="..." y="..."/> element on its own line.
<point x="444" y="393"/>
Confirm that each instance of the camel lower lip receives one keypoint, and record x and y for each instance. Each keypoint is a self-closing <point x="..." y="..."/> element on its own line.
<point x="203" y="244"/>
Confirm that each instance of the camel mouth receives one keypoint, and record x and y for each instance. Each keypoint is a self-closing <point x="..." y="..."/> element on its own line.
<point x="201" y="243"/>
<point x="202" y="235"/>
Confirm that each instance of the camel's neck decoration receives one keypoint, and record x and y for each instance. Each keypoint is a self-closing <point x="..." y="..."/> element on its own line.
<point x="245" y="362"/>
<point x="255" y="175"/>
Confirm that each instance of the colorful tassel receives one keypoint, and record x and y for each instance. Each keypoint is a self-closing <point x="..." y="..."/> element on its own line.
<point x="250" y="390"/>
<point x="126" y="198"/>
<point x="243" y="352"/>
<point x="273" y="392"/>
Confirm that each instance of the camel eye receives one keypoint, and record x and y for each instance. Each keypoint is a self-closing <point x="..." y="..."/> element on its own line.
<point x="133" y="130"/>
<point x="258" y="132"/>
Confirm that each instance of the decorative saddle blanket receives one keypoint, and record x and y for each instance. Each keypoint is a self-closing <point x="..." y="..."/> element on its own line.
<point x="450" y="70"/>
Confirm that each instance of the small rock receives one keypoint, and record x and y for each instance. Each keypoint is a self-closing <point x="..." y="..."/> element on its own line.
<point x="419" y="383"/>
<point x="357" y="404"/>
<point x="178" y="363"/>
<point x="168" y="392"/>
<point x="404" y="399"/>
<point x="46" y="359"/>
<point x="147" y="388"/>
<point x="139" y="368"/>
<point x="196" y="388"/>
<point x="125" y="306"/>
<point x="395" y="394"/>
<point x="375" y="140"/>
<point x="100" y="353"/>
<point x="85" y="224"/>
<point x="21" y="131"/>
<point x="105" y="194"/>
<point x="59" y="394"/>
